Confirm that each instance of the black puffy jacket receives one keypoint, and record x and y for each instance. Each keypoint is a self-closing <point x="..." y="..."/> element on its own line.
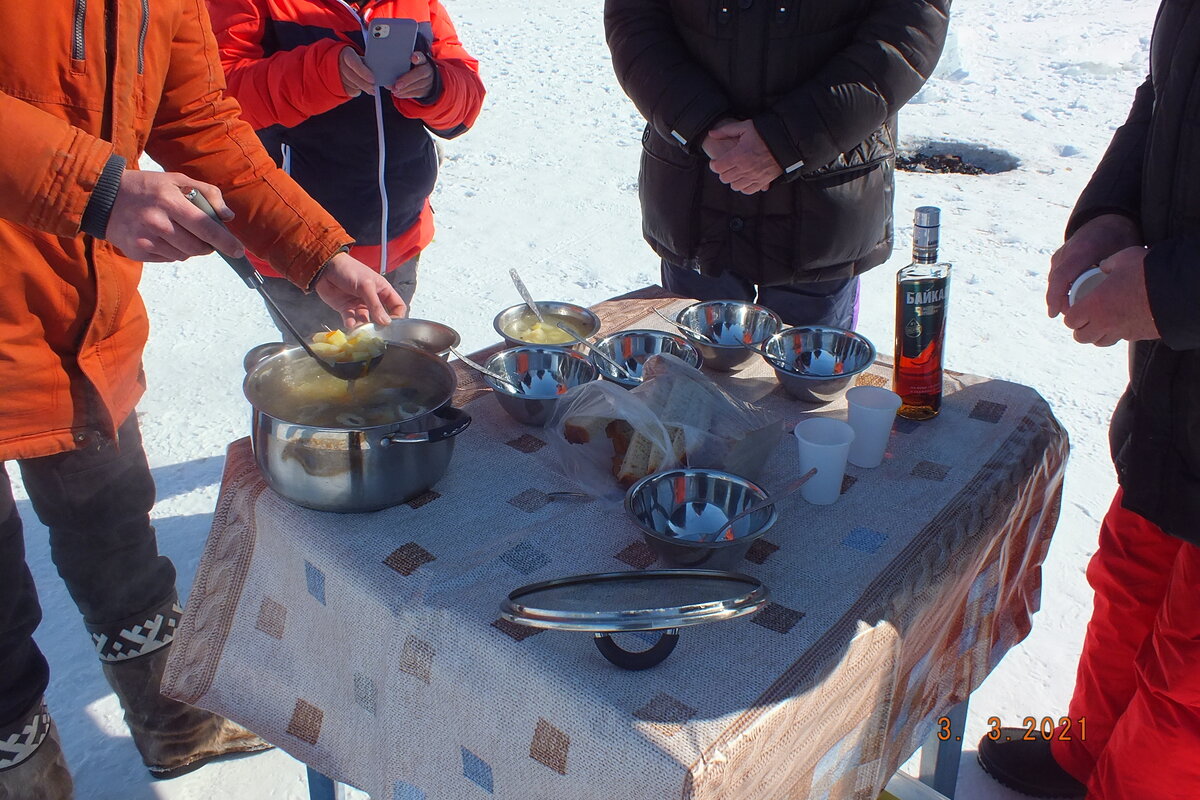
<point x="1151" y="173"/>
<point x="822" y="81"/>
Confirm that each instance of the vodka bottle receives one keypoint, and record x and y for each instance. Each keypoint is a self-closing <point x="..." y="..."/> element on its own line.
<point x="921" y="294"/>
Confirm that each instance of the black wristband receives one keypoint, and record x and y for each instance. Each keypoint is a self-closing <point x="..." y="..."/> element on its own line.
<point x="104" y="194"/>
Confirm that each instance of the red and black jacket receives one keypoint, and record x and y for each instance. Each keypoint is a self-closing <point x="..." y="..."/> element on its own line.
<point x="281" y="61"/>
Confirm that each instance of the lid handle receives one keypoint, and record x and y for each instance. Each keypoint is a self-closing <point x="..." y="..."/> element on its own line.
<point x="642" y="659"/>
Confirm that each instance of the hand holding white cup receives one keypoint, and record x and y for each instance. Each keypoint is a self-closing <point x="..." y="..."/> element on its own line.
<point x="823" y="443"/>
<point x="871" y="411"/>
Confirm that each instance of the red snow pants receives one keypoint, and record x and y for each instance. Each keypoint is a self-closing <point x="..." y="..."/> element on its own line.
<point x="1138" y="685"/>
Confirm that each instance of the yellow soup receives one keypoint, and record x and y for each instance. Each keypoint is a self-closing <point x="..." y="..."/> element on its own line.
<point x="528" y="329"/>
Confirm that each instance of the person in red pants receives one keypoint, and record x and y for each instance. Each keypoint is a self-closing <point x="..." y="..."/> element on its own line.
<point x="1138" y="687"/>
<point x="1143" y="718"/>
<point x="1136" y="708"/>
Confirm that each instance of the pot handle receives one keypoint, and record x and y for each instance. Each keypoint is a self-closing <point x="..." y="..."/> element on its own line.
<point x="457" y="421"/>
<point x="628" y="659"/>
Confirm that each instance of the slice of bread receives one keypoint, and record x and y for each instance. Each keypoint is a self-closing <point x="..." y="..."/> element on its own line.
<point x="688" y="404"/>
<point x="621" y="433"/>
<point x="689" y="407"/>
<point x="642" y="458"/>
<point x="581" y="430"/>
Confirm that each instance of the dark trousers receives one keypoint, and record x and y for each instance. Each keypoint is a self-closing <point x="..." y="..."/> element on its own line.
<point x="308" y="312"/>
<point x="822" y="303"/>
<point x="96" y="503"/>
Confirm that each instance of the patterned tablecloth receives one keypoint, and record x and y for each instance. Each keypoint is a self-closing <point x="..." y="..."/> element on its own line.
<point x="370" y="645"/>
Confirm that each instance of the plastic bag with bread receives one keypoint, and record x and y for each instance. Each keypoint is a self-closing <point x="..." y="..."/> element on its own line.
<point x="608" y="437"/>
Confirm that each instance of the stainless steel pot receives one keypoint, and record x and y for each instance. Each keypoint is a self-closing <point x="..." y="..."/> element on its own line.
<point x="334" y="447"/>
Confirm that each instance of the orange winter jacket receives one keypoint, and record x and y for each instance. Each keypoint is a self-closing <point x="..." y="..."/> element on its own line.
<point x="80" y="81"/>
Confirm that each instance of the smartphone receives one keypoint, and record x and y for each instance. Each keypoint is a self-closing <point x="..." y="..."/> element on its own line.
<point x="389" y="48"/>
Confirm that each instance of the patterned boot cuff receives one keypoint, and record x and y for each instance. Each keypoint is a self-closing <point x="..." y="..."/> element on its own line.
<point x="138" y="635"/>
<point x="21" y="739"/>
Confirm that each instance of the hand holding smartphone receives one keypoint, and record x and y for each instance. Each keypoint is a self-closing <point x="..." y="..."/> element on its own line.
<point x="389" y="48"/>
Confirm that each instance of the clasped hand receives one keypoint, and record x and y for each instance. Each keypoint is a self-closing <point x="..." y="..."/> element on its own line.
<point x="740" y="157"/>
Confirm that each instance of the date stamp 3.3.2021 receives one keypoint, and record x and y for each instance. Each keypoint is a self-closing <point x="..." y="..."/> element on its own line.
<point x="1031" y="729"/>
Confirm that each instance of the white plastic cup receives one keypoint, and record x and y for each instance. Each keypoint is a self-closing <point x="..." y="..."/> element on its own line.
<point x="823" y="443"/>
<point x="1085" y="284"/>
<point x="872" y="410"/>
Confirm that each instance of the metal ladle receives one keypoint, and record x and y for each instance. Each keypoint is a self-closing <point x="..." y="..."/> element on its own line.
<point x="575" y="337"/>
<point x="346" y="370"/>
<point x="760" y="505"/>
<point x="496" y="376"/>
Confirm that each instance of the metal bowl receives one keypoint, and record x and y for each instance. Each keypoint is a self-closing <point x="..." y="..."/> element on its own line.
<point x="432" y="337"/>
<point x="631" y="348"/>
<point x="729" y="326"/>
<point x="583" y="321"/>
<point x="816" y="363"/>
<point x="543" y="375"/>
<point x="674" y="508"/>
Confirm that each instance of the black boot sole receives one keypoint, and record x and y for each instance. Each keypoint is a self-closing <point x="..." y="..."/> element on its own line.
<point x="1019" y="786"/>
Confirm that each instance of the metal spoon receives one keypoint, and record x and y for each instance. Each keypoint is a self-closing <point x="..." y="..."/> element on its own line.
<point x="704" y="337"/>
<point x="761" y="504"/>
<point x="346" y="370"/>
<point x="525" y="295"/>
<point x="624" y="373"/>
<point x="496" y="376"/>
<point x="568" y="496"/>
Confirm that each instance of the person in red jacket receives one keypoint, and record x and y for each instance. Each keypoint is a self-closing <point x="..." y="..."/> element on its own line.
<point x="364" y="153"/>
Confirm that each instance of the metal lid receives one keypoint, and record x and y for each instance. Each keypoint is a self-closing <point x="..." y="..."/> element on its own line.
<point x="925" y="234"/>
<point x="612" y="602"/>
<point x="927" y="216"/>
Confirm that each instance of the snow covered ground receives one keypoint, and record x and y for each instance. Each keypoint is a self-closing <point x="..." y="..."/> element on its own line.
<point x="546" y="183"/>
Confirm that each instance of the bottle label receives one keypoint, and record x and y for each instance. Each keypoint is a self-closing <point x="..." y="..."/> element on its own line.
<point x="923" y="317"/>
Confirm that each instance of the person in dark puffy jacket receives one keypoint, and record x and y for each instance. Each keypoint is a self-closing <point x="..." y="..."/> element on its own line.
<point x="365" y="155"/>
<point x="1138" y="682"/>
<point x="769" y="154"/>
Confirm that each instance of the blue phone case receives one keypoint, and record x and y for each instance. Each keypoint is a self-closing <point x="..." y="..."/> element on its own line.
<point x="389" y="48"/>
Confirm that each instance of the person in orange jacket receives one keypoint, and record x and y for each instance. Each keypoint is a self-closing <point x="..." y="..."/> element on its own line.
<point x="82" y="96"/>
<point x="365" y="153"/>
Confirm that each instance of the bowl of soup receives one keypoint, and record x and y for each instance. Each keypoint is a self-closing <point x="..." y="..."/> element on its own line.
<point x="520" y="326"/>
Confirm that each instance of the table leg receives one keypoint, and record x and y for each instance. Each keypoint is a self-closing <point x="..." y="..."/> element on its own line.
<point x="939" y="759"/>
<point x="320" y="787"/>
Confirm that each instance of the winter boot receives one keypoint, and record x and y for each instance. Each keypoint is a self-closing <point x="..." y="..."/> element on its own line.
<point x="174" y="738"/>
<point x="1026" y="766"/>
<point x="32" y="766"/>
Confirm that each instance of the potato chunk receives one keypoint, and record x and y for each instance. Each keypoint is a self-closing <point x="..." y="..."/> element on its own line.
<point x="362" y="345"/>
